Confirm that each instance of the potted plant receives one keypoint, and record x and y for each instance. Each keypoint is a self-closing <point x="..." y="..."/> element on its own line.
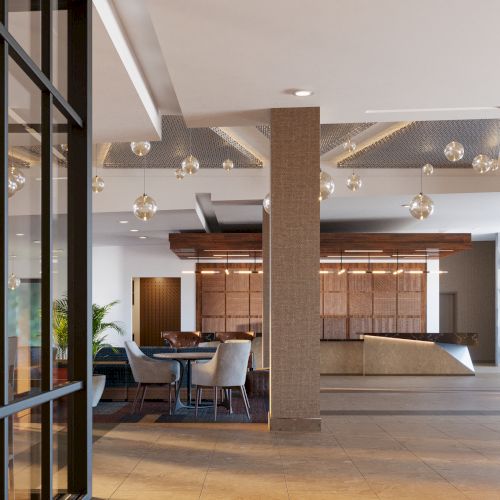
<point x="99" y="329"/>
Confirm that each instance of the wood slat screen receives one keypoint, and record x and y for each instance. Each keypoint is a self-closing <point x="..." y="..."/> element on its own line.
<point x="351" y="304"/>
<point x="160" y="308"/>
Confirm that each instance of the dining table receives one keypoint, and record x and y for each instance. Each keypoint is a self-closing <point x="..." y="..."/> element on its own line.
<point x="185" y="359"/>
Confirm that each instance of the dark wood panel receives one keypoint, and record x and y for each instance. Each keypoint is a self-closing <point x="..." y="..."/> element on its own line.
<point x="384" y="325"/>
<point x="384" y="283"/>
<point x="358" y="326"/>
<point x="237" y="282"/>
<point x="197" y="244"/>
<point x="237" y="324"/>
<point x="335" y="282"/>
<point x="335" y="328"/>
<point x="360" y="282"/>
<point x="213" y="282"/>
<point x="213" y="303"/>
<point x="384" y="304"/>
<point x="160" y="306"/>
<point x="256" y="304"/>
<point x="409" y="304"/>
<point x="237" y="304"/>
<point x="409" y="325"/>
<point x="256" y="281"/>
<point x="360" y="304"/>
<point x="213" y="324"/>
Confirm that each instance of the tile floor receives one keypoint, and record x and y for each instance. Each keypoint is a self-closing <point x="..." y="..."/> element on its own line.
<point x="382" y="438"/>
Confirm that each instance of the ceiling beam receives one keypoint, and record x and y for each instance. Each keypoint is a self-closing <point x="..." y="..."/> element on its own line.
<point x="206" y="212"/>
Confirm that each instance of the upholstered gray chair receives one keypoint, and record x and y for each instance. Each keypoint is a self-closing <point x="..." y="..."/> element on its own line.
<point x="226" y="370"/>
<point x="148" y="371"/>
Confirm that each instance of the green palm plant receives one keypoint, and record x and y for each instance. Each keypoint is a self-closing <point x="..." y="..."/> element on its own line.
<point x="99" y="326"/>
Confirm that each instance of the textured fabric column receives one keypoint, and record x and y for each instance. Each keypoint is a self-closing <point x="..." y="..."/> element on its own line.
<point x="266" y="289"/>
<point x="295" y="285"/>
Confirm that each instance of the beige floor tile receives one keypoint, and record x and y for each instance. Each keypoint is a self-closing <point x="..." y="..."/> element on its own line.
<point x="186" y="494"/>
<point x="104" y="485"/>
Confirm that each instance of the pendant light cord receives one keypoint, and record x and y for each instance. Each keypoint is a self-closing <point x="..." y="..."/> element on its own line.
<point x="144" y="179"/>
<point x="421" y="180"/>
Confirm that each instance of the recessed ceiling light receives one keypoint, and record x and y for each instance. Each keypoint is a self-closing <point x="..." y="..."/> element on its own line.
<point x="134" y="230"/>
<point x="19" y="234"/>
<point x="406" y="205"/>
<point x="123" y="222"/>
<point x="302" y="93"/>
<point x="142" y="237"/>
<point x="36" y="241"/>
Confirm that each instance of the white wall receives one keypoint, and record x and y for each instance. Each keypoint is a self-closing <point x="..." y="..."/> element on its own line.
<point x="115" y="267"/>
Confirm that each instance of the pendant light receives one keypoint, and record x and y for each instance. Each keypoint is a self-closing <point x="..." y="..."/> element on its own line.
<point x="428" y="169"/>
<point x="354" y="182"/>
<point x="140" y="148"/>
<point x="190" y="165"/>
<point x="144" y="206"/>
<point x="179" y="174"/>
<point x="228" y="164"/>
<point x="482" y="164"/>
<point x="97" y="182"/>
<point x="421" y="206"/>
<point x="349" y="146"/>
<point x="13" y="281"/>
<point x="326" y="185"/>
<point x="266" y="203"/>
<point x="454" y="151"/>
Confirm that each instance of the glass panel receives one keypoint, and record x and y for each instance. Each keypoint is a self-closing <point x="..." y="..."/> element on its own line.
<point x="60" y="48"/>
<point x="25" y="25"/>
<point x="60" y="244"/>
<point x="24" y="220"/>
<point x="25" y="454"/>
<point x="60" y="438"/>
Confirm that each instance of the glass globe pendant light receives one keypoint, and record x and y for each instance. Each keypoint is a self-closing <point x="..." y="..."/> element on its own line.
<point x="326" y="185"/>
<point x="140" y="148"/>
<point x="11" y="187"/>
<point x="454" y="151"/>
<point x="354" y="182"/>
<point x="349" y="146"/>
<point x="144" y="206"/>
<point x="97" y="181"/>
<point x="421" y="206"/>
<point x="190" y="165"/>
<point x="179" y="174"/>
<point x="18" y="177"/>
<point x="13" y="282"/>
<point x="228" y="165"/>
<point x="494" y="166"/>
<point x="266" y="203"/>
<point x="428" y="169"/>
<point x="481" y="164"/>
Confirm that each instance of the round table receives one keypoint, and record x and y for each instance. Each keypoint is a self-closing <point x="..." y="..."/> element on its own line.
<point x="187" y="357"/>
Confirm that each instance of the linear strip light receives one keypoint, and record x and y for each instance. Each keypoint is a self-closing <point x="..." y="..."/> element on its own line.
<point x="232" y="255"/>
<point x="209" y="271"/>
<point x="357" y="271"/>
<point x="363" y="251"/>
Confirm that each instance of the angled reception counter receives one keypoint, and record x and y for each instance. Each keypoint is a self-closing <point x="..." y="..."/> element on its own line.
<point x="399" y="354"/>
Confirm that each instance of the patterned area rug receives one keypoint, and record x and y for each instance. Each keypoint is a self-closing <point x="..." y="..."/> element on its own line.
<point x="157" y="411"/>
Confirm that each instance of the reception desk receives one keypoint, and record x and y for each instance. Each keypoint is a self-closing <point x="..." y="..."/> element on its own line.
<point x="399" y="354"/>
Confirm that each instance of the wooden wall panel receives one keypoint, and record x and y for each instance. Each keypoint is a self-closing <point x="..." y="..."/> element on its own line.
<point x="237" y="324"/>
<point x="237" y="304"/>
<point x="335" y="303"/>
<point x="160" y="305"/>
<point x="335" y="328"/>
<point x="360" y="304"/>
<point x="384" y="304"/>
<point x="350" y="304"/>
<point x="237" y="282"/>
<point x="213" y="303"/>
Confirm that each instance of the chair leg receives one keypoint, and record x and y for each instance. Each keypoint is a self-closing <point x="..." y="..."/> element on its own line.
<point x="136" y="397"/>
<point x="242" y="389"/>
<point x="246" y="396"/>
<point x="143" y="396"/>
<point x="215" y="403"/>
<point x="201" y="394"/>
<point x="230" y="397"/>
<point x="170" y="399"/>
<point x="197" y="400"/>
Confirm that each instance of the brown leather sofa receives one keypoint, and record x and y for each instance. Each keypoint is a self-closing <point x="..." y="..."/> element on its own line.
<point x="224" y="336"/>
<point x="181" y="339"/>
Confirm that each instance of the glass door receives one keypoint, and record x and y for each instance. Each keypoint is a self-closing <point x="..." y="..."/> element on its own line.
<point x="45" y="249"/>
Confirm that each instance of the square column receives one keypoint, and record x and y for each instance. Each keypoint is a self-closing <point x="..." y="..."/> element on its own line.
<point x="266" y="289"/>
<point x="295" y="280"/>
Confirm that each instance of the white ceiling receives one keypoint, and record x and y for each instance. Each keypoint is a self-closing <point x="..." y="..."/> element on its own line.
<point x="230" y="62"/>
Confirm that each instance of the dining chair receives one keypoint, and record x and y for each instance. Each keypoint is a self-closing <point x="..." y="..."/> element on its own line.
<point x="148" y="371"/>
<point x="226" y="370"/>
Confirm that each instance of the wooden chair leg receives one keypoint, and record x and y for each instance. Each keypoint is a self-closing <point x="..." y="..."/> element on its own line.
<point x="242" y="389"/>
<point x="215" y="403"/>
<point x="143" y="396"/>
<point x="136" y="397"/>
<point x="197" y="400"/>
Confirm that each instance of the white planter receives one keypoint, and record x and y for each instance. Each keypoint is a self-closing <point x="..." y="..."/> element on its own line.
<point x="98" y="383"/>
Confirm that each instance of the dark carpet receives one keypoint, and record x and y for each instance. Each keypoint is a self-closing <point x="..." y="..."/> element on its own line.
<point x="157" y="411"/>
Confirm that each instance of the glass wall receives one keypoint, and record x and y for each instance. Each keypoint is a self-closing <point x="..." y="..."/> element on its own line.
<point x="45" y="350"/>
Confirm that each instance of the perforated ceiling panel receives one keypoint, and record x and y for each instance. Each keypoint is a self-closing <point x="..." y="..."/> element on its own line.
<point x="210" y="146"/>
<point x="424" y="142"/>
<point x="331" y="135"/>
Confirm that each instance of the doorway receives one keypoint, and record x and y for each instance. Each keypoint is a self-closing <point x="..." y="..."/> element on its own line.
<point x="156" y="306"/>
<point x="447" y="312"/>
